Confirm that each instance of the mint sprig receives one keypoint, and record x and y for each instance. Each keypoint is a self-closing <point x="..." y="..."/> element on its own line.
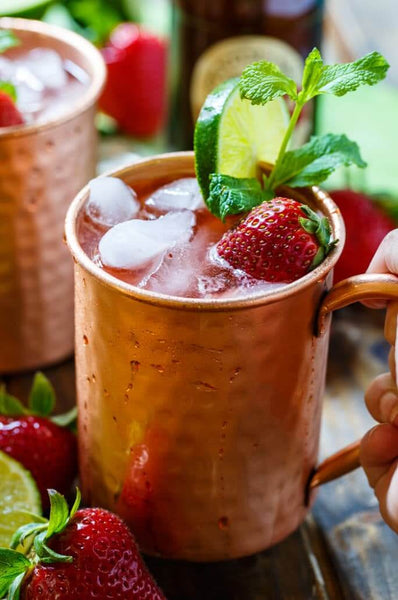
<point x="311" y="164"/>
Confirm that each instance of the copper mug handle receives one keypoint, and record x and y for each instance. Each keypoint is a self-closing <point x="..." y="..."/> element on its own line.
<point x="348" y="291"/>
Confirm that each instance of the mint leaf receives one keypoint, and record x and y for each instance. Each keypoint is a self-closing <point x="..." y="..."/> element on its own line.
<point x="12" y="564"/>
<point x="42" y="396"/>
<point x="341" y="78"/>
<point x="315" y="161"/>
<point x="9" y="405"/>
<point x="9" y="89"/>
<point x="8" y="39"/>
<point x="263" y="81"/>
<point x="231" y="195"/>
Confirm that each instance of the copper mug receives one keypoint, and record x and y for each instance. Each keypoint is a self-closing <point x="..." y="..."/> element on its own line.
<point x="199" y="420"/>
<point x="42" y="167"/>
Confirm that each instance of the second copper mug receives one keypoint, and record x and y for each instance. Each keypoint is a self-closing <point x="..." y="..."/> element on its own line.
<point x="42" y="166"/>
<point x="199" y="420"/>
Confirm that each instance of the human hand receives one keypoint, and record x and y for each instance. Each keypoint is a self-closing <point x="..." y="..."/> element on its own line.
<point x="379" y="447"/>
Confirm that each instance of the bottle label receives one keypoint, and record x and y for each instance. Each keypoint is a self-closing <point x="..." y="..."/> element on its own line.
<point x="229" y="57"/>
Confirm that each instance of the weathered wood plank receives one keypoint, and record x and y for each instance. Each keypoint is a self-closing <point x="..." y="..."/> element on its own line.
<point x="363" y="548"/>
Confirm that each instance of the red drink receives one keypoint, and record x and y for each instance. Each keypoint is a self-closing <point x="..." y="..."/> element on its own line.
<point x="46" y="83"/>
<point x="173" y="252"/>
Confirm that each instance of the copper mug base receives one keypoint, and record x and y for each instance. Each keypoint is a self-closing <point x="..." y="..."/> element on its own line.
<point x="42" y="166"/>
<point x="199" y="420"/>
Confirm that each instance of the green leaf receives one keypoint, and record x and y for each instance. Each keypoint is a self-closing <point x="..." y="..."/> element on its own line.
<point x="42" y="396"/>
<point x="98" y="17"/>
<point x="67" y="419"/>
<point x="49" y="556"/>
<point x="232" y="196"/>
<point x="9" y="405"/>
<point x="263" y="81"/>
<point x="12" y="564"/>
<point x="14" y="592"/>
<point x="26" y="531"/>
<point x="76" y="504"/>
<point x="8" y="88"/>
<point x="341" y="78"/>
<point x="59" y="513"/>
<point x="8" y="39"/>
<point x="315" y="161"/>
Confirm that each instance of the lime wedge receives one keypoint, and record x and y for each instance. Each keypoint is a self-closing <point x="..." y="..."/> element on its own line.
<point x="23" y="8"/>
<point x="18" y="493"/>
<point x="232" y="135"/>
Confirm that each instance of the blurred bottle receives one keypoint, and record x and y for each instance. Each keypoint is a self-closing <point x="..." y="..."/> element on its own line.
<point x="215" y="39"/>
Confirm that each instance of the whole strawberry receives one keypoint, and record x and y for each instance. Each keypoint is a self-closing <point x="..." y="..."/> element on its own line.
<point x="366" y="225"/>
<point x="83" y="555"/>
<point x="9" y="114"/>
<point x="46" y="449"/>
<point x="135" y="92"/>
<point x="278" y="241"/>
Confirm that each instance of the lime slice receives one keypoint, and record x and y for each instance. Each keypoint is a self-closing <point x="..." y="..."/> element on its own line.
<point x="25" y="8"/>
<point x="18" y="493"/>
<point x="232" y="135"/>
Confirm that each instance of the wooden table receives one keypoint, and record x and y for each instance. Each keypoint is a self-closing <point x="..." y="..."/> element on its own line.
<point x="343" y="550"/>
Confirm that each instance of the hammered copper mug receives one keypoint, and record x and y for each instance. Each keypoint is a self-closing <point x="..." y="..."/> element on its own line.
<point x="42" y="166"/>
<point x="199" y="420"/>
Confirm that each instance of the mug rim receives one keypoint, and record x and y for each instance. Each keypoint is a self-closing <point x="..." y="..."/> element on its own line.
<point x="323" y="199"/>
<point x="78" y="43"/>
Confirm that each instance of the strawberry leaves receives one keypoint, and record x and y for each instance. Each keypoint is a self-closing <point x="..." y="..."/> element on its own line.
<point x="42" y="396"/>
<point x="13" y="566"/>
<point x="9" y="405"/>
<point x="41" y="403"/>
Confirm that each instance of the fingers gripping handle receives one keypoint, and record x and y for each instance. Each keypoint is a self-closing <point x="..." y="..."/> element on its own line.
<point x="348" y="291"/>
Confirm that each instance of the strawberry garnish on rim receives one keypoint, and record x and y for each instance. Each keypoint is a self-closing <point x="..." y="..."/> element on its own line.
<point x="278" y="241"/>
<point x="9" y="114"/>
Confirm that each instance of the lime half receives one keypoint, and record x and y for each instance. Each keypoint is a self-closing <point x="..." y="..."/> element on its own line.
<point x="232" y="135"/>
<point x="18" y="493"/>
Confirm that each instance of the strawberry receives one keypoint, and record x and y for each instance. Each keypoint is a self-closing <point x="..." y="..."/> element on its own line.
<point x="366" y="225"/>
<point x="81" y="555"/>
<point x="280" y="241"/>
<point x="9" y="114"/>
<point x="46" y="449"/>
<point x="135" y="92"/>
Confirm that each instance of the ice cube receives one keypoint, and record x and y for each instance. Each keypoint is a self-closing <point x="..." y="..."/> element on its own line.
<point x="6" y="69"/>
<point x="29" y="90"/>
<point x="177" y="195"/>
<point x="47" y="66"/>
<point x="136" y="244"/>
<point x="111" y="201"/>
